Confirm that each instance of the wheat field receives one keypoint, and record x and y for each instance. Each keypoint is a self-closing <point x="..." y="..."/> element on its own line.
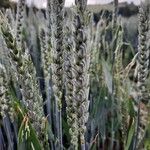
<point x="68" y="82"/>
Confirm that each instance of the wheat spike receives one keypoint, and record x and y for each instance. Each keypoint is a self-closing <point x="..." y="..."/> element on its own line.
<point x="57" y="17"/>
<point x="19" y="22"/>
<point x="5" y="100"/>
<point x="143" y="62"/>
<point x="26" y="77"/>
<point x="69" y="86"/>
<point x="80" y="68"/>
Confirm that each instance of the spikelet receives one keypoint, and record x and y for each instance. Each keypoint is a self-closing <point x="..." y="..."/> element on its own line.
<point x="69" y="86"/>
<point x="80" y="68"/>
<point x="143" y="62"/>
<point x="10" y="17"/>
<point x="5" y="101"/>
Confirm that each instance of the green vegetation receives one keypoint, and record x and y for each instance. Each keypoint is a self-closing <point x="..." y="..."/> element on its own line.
<point x="67" y="82"/>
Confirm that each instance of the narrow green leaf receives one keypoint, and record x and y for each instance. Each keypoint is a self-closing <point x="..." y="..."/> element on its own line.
<point x="130" y="136"/>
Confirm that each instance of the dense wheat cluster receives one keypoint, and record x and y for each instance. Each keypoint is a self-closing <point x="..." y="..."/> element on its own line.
<point x="72" y="80"/>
